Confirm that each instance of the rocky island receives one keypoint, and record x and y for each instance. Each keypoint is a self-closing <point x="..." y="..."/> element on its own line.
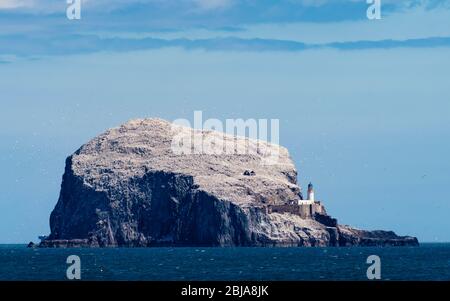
<point x="128" y="188"/>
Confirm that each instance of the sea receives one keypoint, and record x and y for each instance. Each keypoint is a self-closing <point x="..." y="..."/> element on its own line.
<point x="427" y="262"/>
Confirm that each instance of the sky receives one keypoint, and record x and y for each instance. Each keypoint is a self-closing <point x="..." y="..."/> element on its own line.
<point x="364" y="105"/>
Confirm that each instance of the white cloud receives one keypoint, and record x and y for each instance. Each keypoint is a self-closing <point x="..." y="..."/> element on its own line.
<point x="11" y="4"/>
<point x="212" y="4"/>
<point x="311" y="2"/>
<point x="403" y="3"/>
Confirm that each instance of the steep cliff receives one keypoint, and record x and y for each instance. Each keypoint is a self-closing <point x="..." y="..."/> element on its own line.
<point x="128" y="187"/>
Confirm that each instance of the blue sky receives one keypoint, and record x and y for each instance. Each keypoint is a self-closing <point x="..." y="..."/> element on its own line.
<point x="35" y="28"/>
<point x="364" y="105"/>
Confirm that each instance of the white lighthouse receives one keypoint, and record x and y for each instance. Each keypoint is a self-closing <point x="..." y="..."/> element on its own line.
<point x="311" y="192"/>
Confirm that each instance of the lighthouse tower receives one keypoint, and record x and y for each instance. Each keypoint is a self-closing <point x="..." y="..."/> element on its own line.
<point x="310" y="192"/>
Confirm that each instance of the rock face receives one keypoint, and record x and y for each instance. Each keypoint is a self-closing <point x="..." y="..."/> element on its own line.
<point x="129" y="188"/>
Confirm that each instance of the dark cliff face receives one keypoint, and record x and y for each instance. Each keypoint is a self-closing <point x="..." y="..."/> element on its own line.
<point x="158" y="209"/>
<point x="122" y="190"/>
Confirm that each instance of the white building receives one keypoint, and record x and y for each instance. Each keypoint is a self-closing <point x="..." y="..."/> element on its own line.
<point x="310" y="197"/>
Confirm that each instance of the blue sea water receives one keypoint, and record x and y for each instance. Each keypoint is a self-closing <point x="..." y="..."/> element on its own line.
<point x="427" y="262"/>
